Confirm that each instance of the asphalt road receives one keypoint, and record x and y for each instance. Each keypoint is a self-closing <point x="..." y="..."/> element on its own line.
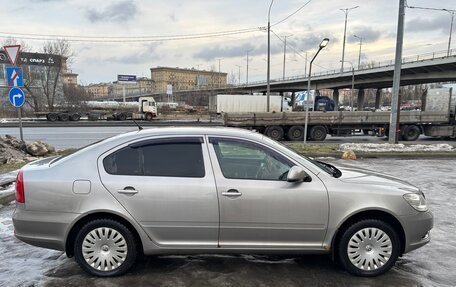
<point x="431" y="265"/>
<point x="75" y="137"/>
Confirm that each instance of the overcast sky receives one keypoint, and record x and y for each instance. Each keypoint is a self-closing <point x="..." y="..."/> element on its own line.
<point x="374" y="20"/>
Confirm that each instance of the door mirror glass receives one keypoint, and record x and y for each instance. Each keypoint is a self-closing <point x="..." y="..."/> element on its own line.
<point x="297" y="174"/>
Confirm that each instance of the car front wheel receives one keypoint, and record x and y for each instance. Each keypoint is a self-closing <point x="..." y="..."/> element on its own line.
<point x="369" y="247"/>
<point x="105" y="247"/>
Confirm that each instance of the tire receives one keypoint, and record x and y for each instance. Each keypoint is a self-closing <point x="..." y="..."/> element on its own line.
<point x="75" y="117"/>
<point x="122" y="117"/>
<point x="295" y="133"/>
<point x="411" y="133"/>
<point x="384" y="246"/>
<point x="318" y="133"/>
<point x="275" y="132"/>
<point x="64" y="117"/>
<point x="104" y="230"/>
<point x="149" y="117"/>
<point x="52" y="117"/>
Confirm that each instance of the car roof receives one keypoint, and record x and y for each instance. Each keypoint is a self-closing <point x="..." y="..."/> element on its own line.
<point x="215" y="131"/>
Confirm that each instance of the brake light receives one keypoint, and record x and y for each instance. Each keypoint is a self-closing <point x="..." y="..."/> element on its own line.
<point x="20" y="188"/>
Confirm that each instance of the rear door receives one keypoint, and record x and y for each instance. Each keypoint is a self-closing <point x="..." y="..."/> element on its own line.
<point x="167" y="185"/>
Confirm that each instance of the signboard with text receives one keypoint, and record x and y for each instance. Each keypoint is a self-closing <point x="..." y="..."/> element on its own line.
<point x="37" y="59"/>
<point x="126" y="79"/>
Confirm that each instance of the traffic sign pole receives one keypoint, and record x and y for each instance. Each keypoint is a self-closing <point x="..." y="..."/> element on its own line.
<point x="19" y="115"/>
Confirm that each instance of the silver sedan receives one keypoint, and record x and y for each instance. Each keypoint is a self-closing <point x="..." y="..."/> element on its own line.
<point x="213" y="190"/>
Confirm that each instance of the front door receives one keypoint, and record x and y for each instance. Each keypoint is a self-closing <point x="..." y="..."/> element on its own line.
<point x="167" y="185"/>
<point x="258" y="207"/>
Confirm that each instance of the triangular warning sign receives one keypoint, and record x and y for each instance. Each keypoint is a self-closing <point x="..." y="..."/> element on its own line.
<point x="12" y="52"/>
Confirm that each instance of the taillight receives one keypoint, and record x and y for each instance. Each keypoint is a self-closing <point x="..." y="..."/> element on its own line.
<point x="20" y="188"/>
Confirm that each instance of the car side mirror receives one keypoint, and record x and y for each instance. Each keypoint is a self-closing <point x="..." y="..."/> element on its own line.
<point x="297" y="174"/>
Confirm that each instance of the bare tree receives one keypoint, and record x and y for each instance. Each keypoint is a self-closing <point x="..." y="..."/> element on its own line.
<point x="51" y="76"/>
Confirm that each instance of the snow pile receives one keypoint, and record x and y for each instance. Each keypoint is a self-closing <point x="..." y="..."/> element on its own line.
<point x="386" y="147"/>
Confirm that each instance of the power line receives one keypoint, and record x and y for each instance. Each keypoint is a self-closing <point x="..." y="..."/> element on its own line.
<point x="286" y="18"/>
<point x="127" y="39"/>
<point x="298" y="52"/>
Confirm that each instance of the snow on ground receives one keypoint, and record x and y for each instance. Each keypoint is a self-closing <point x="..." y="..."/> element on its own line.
<point x="386" y="147"/>
<point x="22" y="264"/>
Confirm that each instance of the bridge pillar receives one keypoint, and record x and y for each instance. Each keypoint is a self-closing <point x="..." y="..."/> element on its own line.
<point x="336" y="99"/>
<point x="293" y="95"/>
<point x="360" y="99"/>
<point x="378" y="96"/>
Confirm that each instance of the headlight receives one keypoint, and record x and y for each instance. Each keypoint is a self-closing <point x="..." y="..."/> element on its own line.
<point x="416" y="200"/>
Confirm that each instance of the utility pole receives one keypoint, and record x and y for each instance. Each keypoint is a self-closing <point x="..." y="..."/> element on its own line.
<point x="247" y="72"/>
<point x="394" y="131"/>
<point x="218" y="76"/>
<point x="268" y="76"/>
<point x="345" y="35"/>
<point x="284" y="53"/>
<point x="239" y="74"/>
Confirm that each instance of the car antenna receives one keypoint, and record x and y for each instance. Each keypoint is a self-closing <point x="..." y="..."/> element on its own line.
<point x="139" y="127"/>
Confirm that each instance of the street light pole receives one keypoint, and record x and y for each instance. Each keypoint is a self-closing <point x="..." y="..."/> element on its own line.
<point x="345" y="35"/>
<point x="451" y="32"/>
<point x="268" y="88"/>
<point x="323" y="44"/>
<point x="360" y="44"/>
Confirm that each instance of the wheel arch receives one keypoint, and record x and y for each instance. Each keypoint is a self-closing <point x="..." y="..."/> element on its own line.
<point x="71" y="237"/>
<point x="369" y="214"/>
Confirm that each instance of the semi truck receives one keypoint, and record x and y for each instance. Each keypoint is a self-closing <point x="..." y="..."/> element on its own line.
<point x="436" y="118"/>
<point x="248" y="104"/>
<point x="144" y="109"/>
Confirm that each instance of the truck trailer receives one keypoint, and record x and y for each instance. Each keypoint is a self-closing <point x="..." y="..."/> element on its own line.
<point x="144" y="109"/>
<point x="437" y="118"/>
<point x="248" y="104"/>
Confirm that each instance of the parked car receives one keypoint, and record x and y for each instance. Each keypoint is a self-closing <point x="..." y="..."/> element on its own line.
<point x="213" y="190"/>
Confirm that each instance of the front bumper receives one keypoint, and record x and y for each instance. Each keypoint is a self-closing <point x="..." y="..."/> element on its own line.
<point x="42" y="229"/>
<point x="417" y="230"/>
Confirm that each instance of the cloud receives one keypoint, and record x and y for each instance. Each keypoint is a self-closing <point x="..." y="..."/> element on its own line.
<point x="367" y="33"/>
<point x="116" y="12"/>
<point x="312" y="41"/>
<point x="148" y="53"/>
<point x="226" y="52"/>
<point x="428" y="24"/>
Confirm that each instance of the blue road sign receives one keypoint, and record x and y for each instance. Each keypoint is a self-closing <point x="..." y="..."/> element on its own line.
<point x="16" y="97"/>
<point x="126" y="78"/>
<point x="14" y="76"/>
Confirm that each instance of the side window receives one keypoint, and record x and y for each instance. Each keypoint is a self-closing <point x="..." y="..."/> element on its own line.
<point x="245" y="160"/>
<point x="174" y="158"/>
<point x="125" y="161"/>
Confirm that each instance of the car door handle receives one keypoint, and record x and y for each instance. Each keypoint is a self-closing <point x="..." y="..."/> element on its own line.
<point x="128" y="190"/>
<point x="232" y="193"/>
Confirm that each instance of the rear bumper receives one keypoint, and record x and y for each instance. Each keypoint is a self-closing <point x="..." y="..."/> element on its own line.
<point x="42" y="229"/>
<point x="417" y="230"/>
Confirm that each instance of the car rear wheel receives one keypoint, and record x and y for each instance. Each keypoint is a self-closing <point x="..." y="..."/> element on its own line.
<point x="369" y="247"/>
<point x="104" y="247"/>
